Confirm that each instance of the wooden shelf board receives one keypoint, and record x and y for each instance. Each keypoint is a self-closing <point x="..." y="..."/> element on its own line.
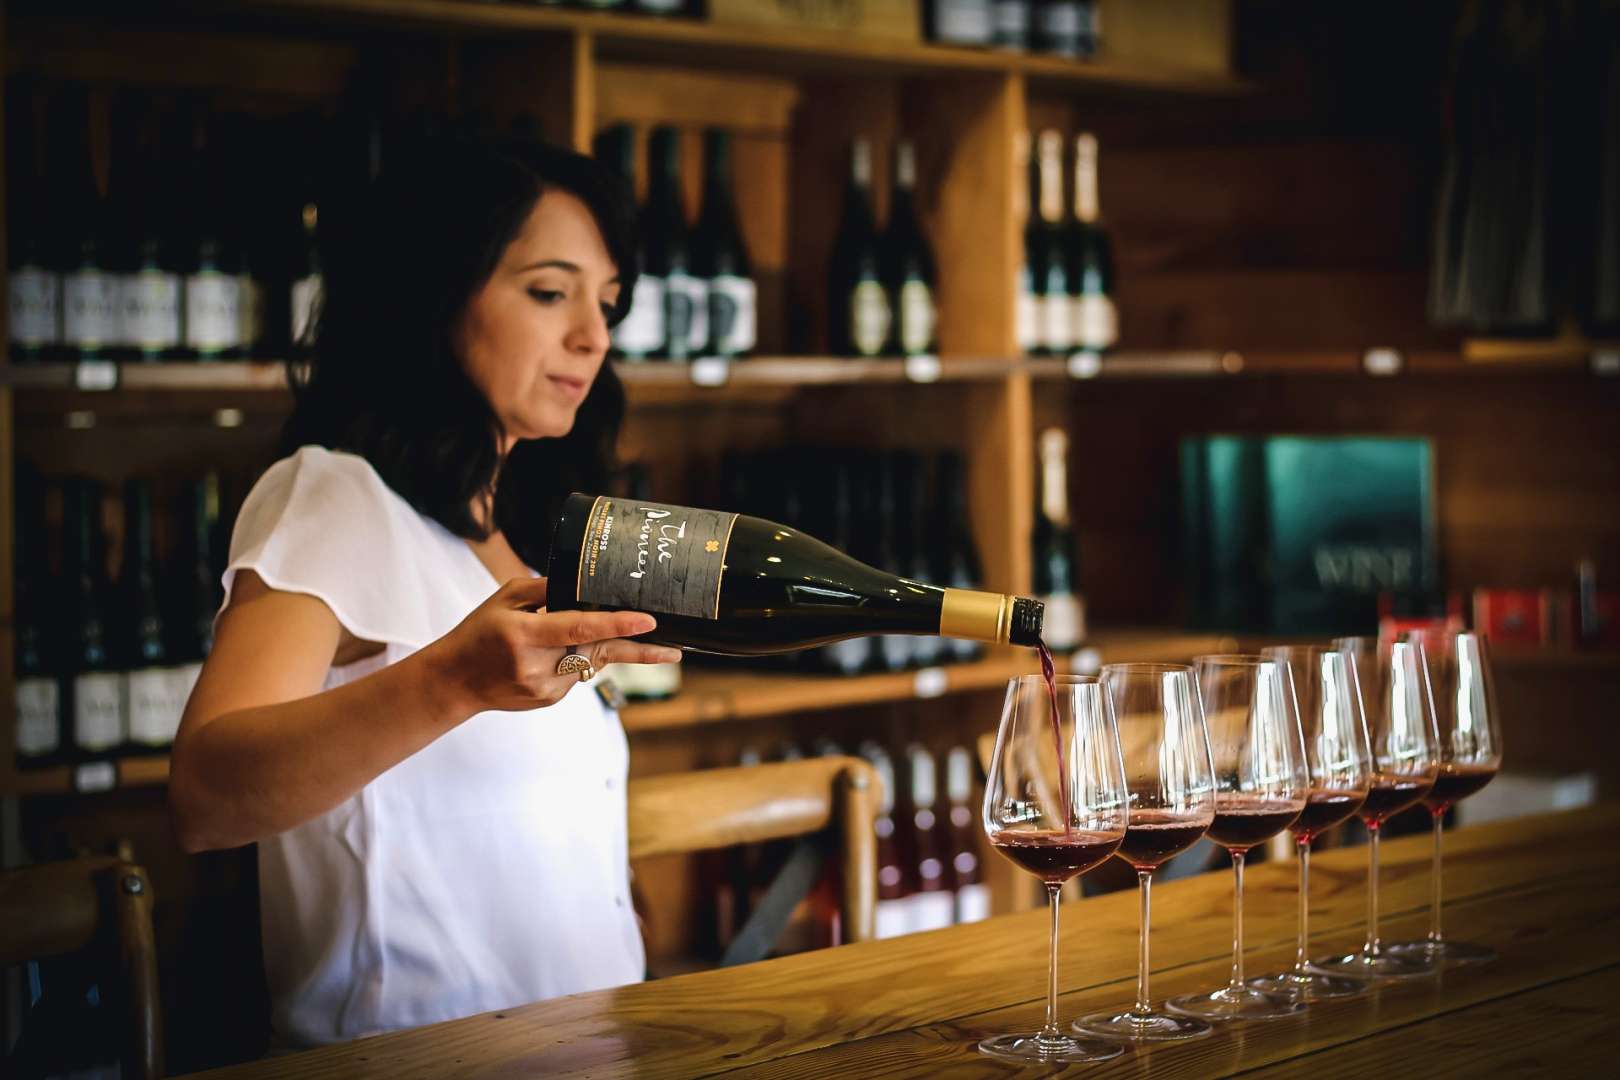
<point x="249" y="375"/>
<point x="58" y="779"/>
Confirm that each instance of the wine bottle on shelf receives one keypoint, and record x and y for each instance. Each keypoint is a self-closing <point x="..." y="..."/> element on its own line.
<point x="1010" y="22"/>
<point x="686" y="301"/>
<point x="958" y="564"/>
<point x="213" y="296"/>
<point x="857" y="305"/>
<point x="851" y="656"/>
<point x="893" y="473"/>
<point x="90" y="323"/>
<point x="738" y="585"/>
<point x="932" y="904"/>
<point x="1091" y="259"/>
<point x="304" y="299"/>
<point x="1048" y="269"/>
<point x="892" y="912"/>
<point x="967" y="863"/>
<point x="958" y="22"/>
<point x="1056" y="580"/>
<point x="908" y="263"/>
<point x="915" y="542"/>
<point x="99" y="723"/>
<point x="640" y="334"/>
<point x="720" y="258"/>
<point x="247" y="217"/>
<point x="39" y="660"/>
<point x="1026" y="307"/>
<point x="151" y="691"/>
<point x="150" y="286"/>
<point x="33" y="283"/>
<point x="1062" y="27"/>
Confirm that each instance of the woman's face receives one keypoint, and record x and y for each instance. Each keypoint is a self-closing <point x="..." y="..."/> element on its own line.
<point x="534" y="336"/>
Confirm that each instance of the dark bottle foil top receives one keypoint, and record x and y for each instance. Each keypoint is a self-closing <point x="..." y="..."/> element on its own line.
<point x="1027" y="617"/>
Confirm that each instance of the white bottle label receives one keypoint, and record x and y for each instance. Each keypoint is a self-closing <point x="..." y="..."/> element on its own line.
<point x="39" y="707"/>
<point x="932" y="910"/>
<point x="213" y="312"/>
<point x="36" y="307"/>
<point x="1057" y="322"/>
<point x="891" y="918"/>
<point x="306" y="299"/>
<point x="155" y="704"/>
<point x="869" y="316"/>
<point x="151" y="310"/>
<point x="1064" y="624"/>
<point x="962" y="22"/>
<point x="1096" y="322"/>
<point x="641" y="331"/>
<point x="1011" y="18"/>
<point x="98" y="710"/>
<point x="850" y="657"/>
<point x="249" y="310"/>
<point x="659" y="7"/>
<point x="697" y="331"/>
<point x="1062" y="19"/>
<point x="1027" y="314"/>
<point x="90" y="309"/>
<point x="916" y="317"/>
<point x="686" y="303"/>
<point x="972" y="902"/>
<point x="732" y="318"/>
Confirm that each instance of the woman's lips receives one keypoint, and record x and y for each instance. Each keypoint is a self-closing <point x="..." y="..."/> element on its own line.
<point x="572" y="387"/>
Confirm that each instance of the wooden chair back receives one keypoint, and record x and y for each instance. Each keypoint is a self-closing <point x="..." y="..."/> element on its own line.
<point x="102" y="904"/>
<point x="715" y="808"/>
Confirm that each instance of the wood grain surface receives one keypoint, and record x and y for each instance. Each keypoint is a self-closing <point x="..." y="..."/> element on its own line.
<point x="1544" y="891"/>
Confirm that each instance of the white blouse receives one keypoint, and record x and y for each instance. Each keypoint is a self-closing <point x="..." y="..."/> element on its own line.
<point x="486" y="870"/>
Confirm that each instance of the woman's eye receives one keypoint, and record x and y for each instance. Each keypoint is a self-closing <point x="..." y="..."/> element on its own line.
<point x="546" y="296"/>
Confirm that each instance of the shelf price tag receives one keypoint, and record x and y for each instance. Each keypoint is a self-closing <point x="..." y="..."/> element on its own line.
<point x="1084" y="364"/>
<point x="1606" y="362"/>
<point x="1383" y="362"/>
<point x="930" y="682"/>
<point x="96" y="375"/>
<point x="923" y="369"/>
<point x="94" y="776"/>
<point x="709" y="371"/>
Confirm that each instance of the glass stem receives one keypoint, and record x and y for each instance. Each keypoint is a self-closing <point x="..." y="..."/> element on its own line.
<point x="1050" y="1031"/>
<point x="1434" y="880"/>
<point x="1237" y="920"/>
<point x="1370" y="949"/>
<point x="1300" y="954"/>
<point x="1144" y="881"/>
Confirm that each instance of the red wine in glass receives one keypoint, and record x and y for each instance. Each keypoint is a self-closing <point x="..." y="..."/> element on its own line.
<point x="1055" y="856"/>
<point x="1153" y="836"/>
<point x="1391" y="793"/>
<point x="1242" y="823"/>
<point x="1324" y="809"/>
<point x="1456" y="781"/>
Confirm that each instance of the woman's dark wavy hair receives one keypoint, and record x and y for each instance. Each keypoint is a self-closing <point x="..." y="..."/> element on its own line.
<point x="383" y="379"/>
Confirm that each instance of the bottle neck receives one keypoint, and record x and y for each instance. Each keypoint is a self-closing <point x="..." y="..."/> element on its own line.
<point x="1054" y="477"/>
<point x="860" y="166"/>
<point x="1085" y="179"/>
<point x="1051" y="178"/>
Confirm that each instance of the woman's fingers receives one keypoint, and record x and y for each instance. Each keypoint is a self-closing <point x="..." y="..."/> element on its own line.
<point x="564" y="628"/>
<point x="525" y="594"/>
<point x="632" y="652"/>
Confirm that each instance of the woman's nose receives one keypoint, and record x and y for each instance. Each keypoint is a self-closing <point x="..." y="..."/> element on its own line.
<point x="589" y="333"/>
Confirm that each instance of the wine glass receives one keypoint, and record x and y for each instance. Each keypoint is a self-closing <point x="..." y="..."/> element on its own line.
<point x="1464" y="693"/>
<point x="1172" y="802"/>
<point x="1055" y="803"/>
<point x="1261" y="784"/>
<point x="1339" y="759"/>
<point x="1393" y="690"/>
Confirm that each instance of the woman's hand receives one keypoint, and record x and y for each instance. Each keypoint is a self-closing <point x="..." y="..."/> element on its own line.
<point x="504" y="655"/>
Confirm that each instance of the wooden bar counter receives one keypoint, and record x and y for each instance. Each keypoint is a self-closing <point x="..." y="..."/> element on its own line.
<point x="1544" y="891"/>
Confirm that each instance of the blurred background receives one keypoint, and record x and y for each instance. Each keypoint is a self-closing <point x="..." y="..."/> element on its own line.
<point x="1215" y="323"/>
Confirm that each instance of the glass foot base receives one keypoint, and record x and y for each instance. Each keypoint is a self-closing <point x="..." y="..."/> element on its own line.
<point x="1311" y="986"/>
<point x="1236" y="1003"/>
<point x="1142" y="1027"/>
<point x="1444" y="953"/>
<point x="1382" y="965"/>
<point x="1035" y="1047"/>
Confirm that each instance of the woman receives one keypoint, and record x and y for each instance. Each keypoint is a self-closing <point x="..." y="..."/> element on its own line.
<point x="437" y="800"/>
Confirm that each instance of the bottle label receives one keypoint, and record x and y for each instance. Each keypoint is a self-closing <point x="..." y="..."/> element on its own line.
<point x="90" y="309"/>
<point x="850" y="657"/>
<point x="98" y="710"/>
<point x="1056" y="322"/>
<point x="39" y="709"/>
<point x="891" y="918"/>
<point x="213" y="312"/>
<point x="660" y="7"/>
<point x="36" y="307"/>
<point x="1063" y="624"/>
<point x="641" y="331"/>
<point x="250" y="311"/>
<point x="155" y="705"/>
<point x="151" y="310"/>
<point x="1011" y="21"/>
<point x="1061" y="22"/>
<point x="686" y="312"/>
<point x="962" y="22"/>
<point x="732" y="320"/>
<point x="916" y="317"/>
<point x="932" y="910"/>
<point x="869" y="316"/>
<point x="1027" y="314"/>
<point x="1096" y="322"/>
<point x="306" y="301"/>
<point x="972" y="902"/>
<point x="651" y="557"/>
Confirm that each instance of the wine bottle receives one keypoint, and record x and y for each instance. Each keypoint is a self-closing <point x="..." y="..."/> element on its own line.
<point x="1048" y="271"/>
<point x="858" y="306"/>
<point x="33" y="285"/>
<point x="909" y="264"/>
<point x="1055" y="577"/>
<point x="958" y="22"/>
<point x="90" y="285"/>
<point x="851" y="656"/>
<point x="150" y="286"/>
<point x="151" y="691"/>
<point x="1026" y="308"/>
<point x="99" y="723"/>
<point x="304" y="301"/>
<point x="644" y="682"/>
<point x="967" y="863"/>
<point x="720" y="258"/>
<point x="246" y="218"/>
<point x="892" y="912"/>
<point x="686" y="301"/>
<point x="1061" y="27"/>
<point x="213" y="296"/>
<point x="958" y="559"/>
<point x="741" y="586"/>
<point x="1091" y="260"/>
<point x="640" y="333"/>
<point x="932" y="904"/>
<point x="38" y="688"/>
<point x="1010" y="24"/>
